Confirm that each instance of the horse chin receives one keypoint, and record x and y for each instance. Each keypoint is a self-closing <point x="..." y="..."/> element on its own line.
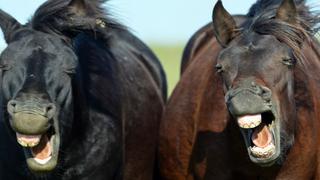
<point x="261" y="133"/>
<point x="41" y="151"/>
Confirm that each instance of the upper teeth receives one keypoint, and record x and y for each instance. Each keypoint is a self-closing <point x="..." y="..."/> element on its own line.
<point x="28" y="140"/>
<point x="250" y="121"/>
<point x="27" y="144"/>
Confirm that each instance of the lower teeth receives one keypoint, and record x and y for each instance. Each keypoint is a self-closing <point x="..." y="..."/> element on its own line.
<point x="43" y="161"/>
<point x="263" y="153"/>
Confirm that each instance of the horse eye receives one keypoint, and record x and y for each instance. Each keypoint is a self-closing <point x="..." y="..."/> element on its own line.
<point x="219" y="68"/>
<point x="70" y="71"/>
<point x="5" y="67"/>
<point x="288" y="61"/>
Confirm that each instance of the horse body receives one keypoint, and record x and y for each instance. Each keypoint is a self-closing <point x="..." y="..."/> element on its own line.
<point x="112" y="98"/>
<point x="199" y="137"/>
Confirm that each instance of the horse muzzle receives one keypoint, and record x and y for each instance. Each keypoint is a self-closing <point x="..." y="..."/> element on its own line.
<point x="29" y="117"/>
<point x="36" y="132"/>
<point x="258" y="121"/>
<point x="249" y="100"/>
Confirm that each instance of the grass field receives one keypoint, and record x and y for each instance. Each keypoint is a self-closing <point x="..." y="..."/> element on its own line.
<point x="170" y="57"/>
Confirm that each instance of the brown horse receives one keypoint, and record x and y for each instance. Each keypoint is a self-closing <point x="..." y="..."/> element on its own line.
<point x="247" y="105"/>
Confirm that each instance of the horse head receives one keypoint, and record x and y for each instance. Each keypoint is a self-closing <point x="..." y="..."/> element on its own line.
<point x="37" y="72"/>
<point x="256" y="68"/>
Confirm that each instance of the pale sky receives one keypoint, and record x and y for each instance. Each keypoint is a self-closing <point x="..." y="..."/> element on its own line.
<point x="163" y="21"/>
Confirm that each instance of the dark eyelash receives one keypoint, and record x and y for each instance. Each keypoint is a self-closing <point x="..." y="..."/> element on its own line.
<point x="5" y="67"/>
<point x="288" y="61"/>
<point x="70" y="71"/>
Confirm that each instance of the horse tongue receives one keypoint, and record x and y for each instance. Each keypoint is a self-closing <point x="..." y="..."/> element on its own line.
<point x="261" y="136"/>
<point x="43" y="150"/>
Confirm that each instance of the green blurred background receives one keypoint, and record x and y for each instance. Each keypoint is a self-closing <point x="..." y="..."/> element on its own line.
<point x="170" y="57"/>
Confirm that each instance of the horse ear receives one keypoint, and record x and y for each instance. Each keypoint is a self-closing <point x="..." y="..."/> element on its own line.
<point x="287" y="11"/>
<point x="8" y="25"/>
<point x="224" y="24"/>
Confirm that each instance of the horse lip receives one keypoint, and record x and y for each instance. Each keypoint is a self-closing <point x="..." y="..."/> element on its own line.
<point x="234" y="92"/>
<point x="257" y="105"/>
<point x="29" y="123"/>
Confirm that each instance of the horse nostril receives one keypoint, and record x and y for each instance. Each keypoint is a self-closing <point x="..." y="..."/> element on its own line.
<point x="50" y="110"/>
<point x="266" y="93"/>
<point x="253" y="84"/>
<point x="219" y="68"/>
<point x="11" y="107"/>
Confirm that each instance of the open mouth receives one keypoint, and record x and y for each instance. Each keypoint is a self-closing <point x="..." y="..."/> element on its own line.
<point x="41" y="151"/>
<point x="261" y="136"/>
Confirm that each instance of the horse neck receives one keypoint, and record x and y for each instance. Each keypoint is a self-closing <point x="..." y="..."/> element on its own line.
<point x="307" y="81"/>
<point x="307" y="95"/>
<point x="79" y="99"/>
<point x="311" y="71"/>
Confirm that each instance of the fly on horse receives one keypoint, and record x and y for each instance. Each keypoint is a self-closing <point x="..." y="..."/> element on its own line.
<point x="79" y="94"/>
<point x="247" y="105"/>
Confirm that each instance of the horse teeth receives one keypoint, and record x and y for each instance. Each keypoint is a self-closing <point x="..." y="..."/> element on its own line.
<point x="28" y="140"/>
<point x="22" y="143"/>
<point x="250" y="126"/>
<point x="25" y="144"/>
<point x="250" y="121"/>
<point x="263" y="152"/>
<point x="33" y="144"/>
<point x="43" y="161"/>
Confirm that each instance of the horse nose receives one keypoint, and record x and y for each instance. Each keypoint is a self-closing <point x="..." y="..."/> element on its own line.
<point x="46" y="109"/>
<point x="266" y="93"/>
<point x="262" y="91"/>
<point x="248" y="98"/>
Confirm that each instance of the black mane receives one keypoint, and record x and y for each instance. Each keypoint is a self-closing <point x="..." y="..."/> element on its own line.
<point x="310" y="19"/>
<point x="55" y="16"/>
<point x="262" y="20"/>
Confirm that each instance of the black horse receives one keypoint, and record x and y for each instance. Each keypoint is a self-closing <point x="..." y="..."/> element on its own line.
<point x="82" y="96"/>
